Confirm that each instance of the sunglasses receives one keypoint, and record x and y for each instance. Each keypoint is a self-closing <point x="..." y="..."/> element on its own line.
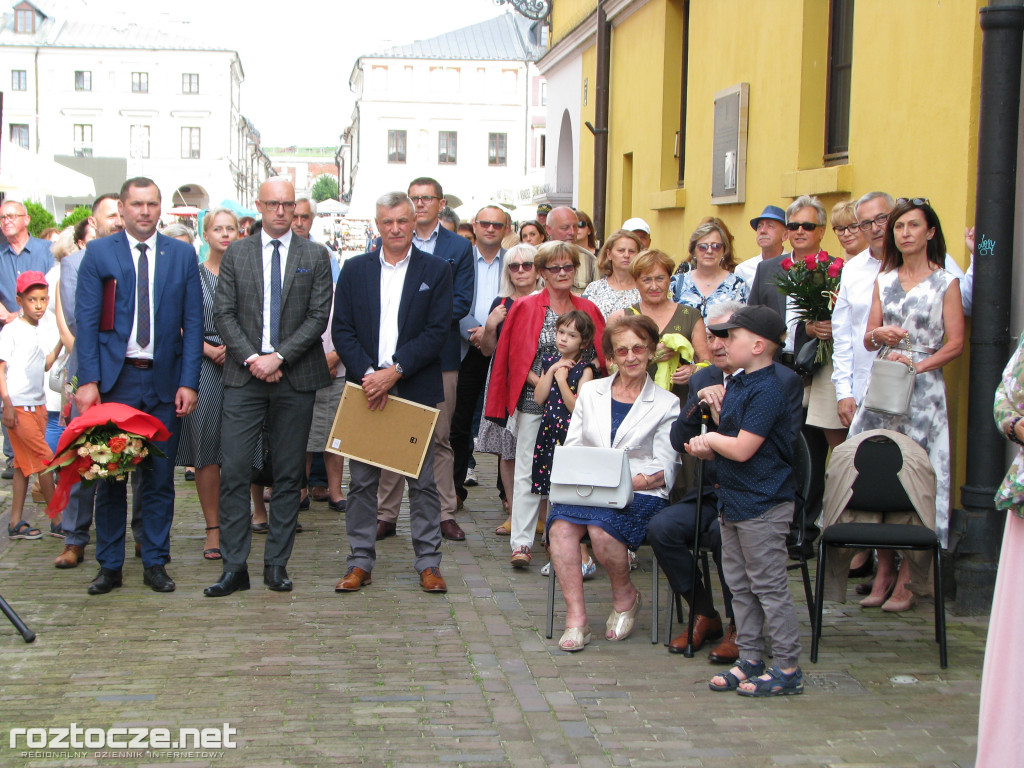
<point x="582" y="224"/>
<point x="636" y="349"/>
<point x="522" y="266"/>
<point x="705" y="247"/>
<point x="913" y="200"/>
<point x="554" y="269"/>
<point x="806" y="226"/>
<point x="491" y="224"/>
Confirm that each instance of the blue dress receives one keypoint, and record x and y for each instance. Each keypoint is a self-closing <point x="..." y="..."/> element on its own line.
<point x="628" y="525"/>
<point x="554" y="423"/>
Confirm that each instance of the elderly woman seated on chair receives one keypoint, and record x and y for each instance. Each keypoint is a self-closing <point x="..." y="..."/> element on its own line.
<point x="627" y="410"/>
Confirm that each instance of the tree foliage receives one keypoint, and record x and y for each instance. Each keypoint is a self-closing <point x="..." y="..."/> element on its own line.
<point x="81" y="212"/>
<point x="41" y="218"/>
<point x="324" y="188"/>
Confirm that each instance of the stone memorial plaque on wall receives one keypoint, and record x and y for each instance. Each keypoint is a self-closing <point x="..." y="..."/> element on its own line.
<point x="729" y="161"/>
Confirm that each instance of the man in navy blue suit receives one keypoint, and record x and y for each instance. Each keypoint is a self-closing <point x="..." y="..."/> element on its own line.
<point x="670" y="532"/>
<point x="148" y="357"/>
<point x="430" y="237"/>
<point x="392" y="316"/>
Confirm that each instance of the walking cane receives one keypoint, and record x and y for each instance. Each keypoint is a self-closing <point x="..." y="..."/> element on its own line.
<point x="705" y="416"/>
<point x="19" y="625"/>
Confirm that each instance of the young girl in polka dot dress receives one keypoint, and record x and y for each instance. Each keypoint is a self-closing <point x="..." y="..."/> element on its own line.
<point x="556" y="391"/>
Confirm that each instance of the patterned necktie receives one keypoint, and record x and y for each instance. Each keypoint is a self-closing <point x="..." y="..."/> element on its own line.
<point x="143" y="324"/>
<point x="275" y="294"/>
<point x="728" y="380"/>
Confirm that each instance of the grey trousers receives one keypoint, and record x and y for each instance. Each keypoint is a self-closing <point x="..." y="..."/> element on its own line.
<point x="424" y="515"/>
<point x="288" y="413"/>
<point x="754" y="561"/>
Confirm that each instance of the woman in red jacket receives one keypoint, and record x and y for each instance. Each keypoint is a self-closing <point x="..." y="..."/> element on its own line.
<point x="529" y="335"/>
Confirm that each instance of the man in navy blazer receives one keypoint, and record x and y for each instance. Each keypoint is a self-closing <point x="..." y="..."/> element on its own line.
<point x="392" y="315"/>
<point x="149" y="359"/>
<point x="670" y="532"/>
<point x="430" y="237"/>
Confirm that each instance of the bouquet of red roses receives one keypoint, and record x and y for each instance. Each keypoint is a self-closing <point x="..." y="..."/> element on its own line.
<point x="812" y="284"/>
<point x="107" y="442"/>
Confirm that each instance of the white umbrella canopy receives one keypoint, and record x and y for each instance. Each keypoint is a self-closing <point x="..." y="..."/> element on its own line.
<point x="331" y="205"/>
<point x="469" y="209"/>
<point x="26" y="175"/>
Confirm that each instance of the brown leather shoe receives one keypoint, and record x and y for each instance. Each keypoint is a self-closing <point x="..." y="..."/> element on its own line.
<point x="70" y="557"/>
<point x="726" y="652"/>
<point x="385" y="529"/>
<point x="354" y="579"/>
<point x="319" y="493"/>
<point x="431" y="581"/>
<point x="451" y="531"/>
<point x="704" y="628"/>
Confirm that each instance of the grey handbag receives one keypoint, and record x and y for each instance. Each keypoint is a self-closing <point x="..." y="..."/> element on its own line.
<point x="591" y="477"/>
<point x="891" y="384"/>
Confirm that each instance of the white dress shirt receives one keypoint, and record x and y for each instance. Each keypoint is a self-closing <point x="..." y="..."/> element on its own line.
<point x="746" y="269"/>
<point x="134" y="350"/>
<point x="268" y="257"/>
<point x="392" y="281"/>
<point x="851" y="361"/>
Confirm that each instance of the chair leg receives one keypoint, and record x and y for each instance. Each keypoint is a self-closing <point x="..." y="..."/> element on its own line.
<point x="807" y="587"/>
<point x="550" y="630"/>
<point x="940" y="610"/>
<point x="654" y="599"/>
<point x="668" y="620"/>
<point x="819" y="585"/>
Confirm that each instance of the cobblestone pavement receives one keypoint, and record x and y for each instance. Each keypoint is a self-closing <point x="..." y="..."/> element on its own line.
<point x="391" y="676"/>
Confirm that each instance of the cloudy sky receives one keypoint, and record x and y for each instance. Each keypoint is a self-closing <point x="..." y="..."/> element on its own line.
<point x="302" y="51"/>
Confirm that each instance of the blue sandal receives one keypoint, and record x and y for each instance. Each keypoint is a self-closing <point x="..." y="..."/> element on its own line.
<point x="779" y="684"/>
<point x="23" y="531"/>
<point x="751" y="669"/>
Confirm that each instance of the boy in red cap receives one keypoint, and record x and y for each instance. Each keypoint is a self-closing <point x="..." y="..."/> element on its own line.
<point x="23" y="364"/>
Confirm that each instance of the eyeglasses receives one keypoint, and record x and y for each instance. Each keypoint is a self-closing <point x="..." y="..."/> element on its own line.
<point x="847" y="230"/>
<point x="878" y="221"/>
<point x="491" y="224"/>
<point x="582" y="224"/>
<point x="522" y="266"/>
<point x="424" y="198"/>
<point x="914" y="200"/>
<point x="659" y="279"/>
<point x="713" y="247"/>
<point x="636" y="349"/>
<point x="273" y="205"/>
<point x="12" y="216"/>
<point x="806" y="226"/>
<point x="554" y="269"/>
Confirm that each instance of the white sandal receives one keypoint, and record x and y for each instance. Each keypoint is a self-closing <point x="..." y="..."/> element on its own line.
<point x="620" y="625"/>
<point x="575" y="639"/>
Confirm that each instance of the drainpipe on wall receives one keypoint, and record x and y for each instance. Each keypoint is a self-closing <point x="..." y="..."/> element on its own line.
<point x="979" y="524"/>
<point x="35" y="76"/>
<point x="604" y="49"/>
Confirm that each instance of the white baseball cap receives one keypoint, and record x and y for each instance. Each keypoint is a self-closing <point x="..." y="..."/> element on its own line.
<point x="637" y="225"/>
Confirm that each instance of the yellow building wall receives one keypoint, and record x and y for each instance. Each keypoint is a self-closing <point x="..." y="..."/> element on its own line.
<point x="913" y="123"/>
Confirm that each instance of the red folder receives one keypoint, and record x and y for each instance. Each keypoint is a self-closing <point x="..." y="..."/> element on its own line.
<point x="107" y="310"/>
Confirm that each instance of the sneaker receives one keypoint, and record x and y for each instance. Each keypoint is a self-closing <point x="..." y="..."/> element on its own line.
<point x="521" y="557"/>
<point x="589" y="569"/>
<point x="634" y="561"/>
<point x="471" y="481"/>
<point x="25" y="531"/>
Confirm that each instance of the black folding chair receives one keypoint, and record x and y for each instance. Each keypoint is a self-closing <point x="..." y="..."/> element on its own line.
<point x="878" y="489"/>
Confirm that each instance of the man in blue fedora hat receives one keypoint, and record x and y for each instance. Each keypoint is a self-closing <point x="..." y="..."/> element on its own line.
<point x="770" y="227"/>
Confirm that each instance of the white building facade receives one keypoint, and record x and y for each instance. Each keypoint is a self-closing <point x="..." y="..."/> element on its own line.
<point x="163" y="103"/>
<point x="466" y="108"/>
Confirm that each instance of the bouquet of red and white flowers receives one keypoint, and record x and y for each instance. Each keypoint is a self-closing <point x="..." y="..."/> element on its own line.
<point x="812" y="284"/>
<point x="107" y="442"/>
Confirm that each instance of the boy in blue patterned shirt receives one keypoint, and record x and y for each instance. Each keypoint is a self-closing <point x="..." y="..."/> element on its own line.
<point x="753" y="453"/>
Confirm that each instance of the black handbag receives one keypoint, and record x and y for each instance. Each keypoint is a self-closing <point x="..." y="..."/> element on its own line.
<point x="805" y="362"/>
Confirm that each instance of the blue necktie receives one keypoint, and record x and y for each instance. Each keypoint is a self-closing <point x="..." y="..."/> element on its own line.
<point x="275" y="294"/>
<point x="143" y="320"/>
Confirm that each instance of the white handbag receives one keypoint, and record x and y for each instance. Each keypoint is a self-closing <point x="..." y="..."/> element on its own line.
<point x="591" y="477"/>
<point x="891" y="384"/>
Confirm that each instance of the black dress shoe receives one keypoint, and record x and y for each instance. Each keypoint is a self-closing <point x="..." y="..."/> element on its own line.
<point x="276" y="578"/>
<point x="230" y="581"/>
<point x="156" y="578"/>
<point x="105" y="581"/>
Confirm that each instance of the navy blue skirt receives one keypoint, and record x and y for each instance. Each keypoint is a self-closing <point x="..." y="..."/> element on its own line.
<point x="628" y="525"/>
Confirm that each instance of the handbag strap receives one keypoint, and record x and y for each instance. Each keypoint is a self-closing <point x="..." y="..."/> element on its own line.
<point x="885" y="349"/>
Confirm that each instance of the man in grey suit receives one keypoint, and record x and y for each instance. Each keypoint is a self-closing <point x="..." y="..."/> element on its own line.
<point x="273" y="300"/>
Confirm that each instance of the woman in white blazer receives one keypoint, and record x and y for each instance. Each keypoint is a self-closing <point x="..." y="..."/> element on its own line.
<point x="627" y="410"/>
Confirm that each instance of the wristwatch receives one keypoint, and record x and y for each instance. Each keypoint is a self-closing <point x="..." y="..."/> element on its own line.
<point x="279" y="356"/>
<point x="398" y="368"/>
